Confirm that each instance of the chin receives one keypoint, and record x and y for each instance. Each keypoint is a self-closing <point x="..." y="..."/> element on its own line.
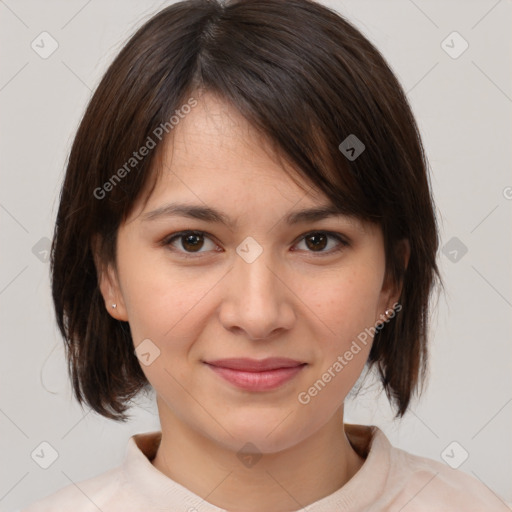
<point x="270" y="432"/>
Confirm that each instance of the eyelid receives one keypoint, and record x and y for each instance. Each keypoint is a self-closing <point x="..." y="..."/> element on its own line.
<point x="334" y="234"/>
<point x="168" y="240"/>
<point x="339" y="237"/>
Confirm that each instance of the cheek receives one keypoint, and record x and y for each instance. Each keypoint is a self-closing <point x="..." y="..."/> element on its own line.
<point x="347" y="301"/>
<point x="347" y="313"/>
<point x="161" y="309"/>
<point x="348" y="309"/>
<point x="164" y="303"/>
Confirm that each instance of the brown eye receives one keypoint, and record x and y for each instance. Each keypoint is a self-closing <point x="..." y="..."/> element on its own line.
<point x="192" y="242"/>
<point x="316" y="241"/>
<point x="322" y="242"/>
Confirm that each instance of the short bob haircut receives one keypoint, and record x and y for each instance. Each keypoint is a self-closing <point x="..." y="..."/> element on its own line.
<point x="306" y="79"/>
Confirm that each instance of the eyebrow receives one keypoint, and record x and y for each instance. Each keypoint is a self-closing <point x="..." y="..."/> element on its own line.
<point x="209" y="214"/>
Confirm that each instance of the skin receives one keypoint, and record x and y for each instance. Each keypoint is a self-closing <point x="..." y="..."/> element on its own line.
<point x="293" y="301"/>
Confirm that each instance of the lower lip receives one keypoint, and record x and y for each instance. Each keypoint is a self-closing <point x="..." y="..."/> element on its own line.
<point x="257" y="381"/>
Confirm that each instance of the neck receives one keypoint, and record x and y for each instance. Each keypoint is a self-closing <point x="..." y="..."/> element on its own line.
<point x="284" y="481"/>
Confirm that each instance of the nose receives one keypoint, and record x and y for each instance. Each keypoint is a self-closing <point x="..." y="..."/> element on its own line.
<point x="257" y="299"/>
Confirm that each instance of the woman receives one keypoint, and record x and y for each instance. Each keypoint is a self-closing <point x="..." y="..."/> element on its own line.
<point x="245" y="224"/>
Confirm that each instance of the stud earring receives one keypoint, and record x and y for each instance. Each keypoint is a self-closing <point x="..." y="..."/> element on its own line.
<point x="114" y="306"/>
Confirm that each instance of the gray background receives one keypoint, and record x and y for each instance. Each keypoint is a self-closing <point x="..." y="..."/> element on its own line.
<point x="463" y="107"/>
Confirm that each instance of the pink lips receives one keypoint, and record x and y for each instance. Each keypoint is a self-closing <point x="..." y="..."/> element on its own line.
<point x="256" y="375"/>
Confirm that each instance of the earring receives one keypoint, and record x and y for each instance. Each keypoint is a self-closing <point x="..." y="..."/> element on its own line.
<point x="114" y="306"/>
<point x="389" y="312"/>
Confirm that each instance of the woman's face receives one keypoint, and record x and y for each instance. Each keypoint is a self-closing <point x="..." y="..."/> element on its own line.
<point x="255" y="283"/>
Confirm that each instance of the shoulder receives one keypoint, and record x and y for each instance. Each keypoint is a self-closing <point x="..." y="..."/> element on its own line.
<point x="117" y="490"/>
<point x="85" y="496"/>
<point x="419" y="484"/>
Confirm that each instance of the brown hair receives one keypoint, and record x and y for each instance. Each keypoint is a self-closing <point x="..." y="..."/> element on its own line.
<point x="304" y="77"/>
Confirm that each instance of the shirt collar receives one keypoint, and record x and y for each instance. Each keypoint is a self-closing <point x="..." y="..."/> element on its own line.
<point x="359" y="492"/>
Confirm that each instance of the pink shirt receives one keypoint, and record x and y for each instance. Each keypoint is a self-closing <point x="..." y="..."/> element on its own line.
<point x="389" y="480"/>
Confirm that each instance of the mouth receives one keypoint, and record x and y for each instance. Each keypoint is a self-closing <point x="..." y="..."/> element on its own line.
<point x="257" y="375"/>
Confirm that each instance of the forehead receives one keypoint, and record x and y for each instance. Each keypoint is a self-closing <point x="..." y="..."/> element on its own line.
<point x="215" y="136"/>
<point x="216" y="166"/>
<point x="214" y="152"/>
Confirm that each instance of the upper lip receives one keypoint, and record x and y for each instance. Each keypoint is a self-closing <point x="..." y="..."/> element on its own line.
<point x="255" y="365"/>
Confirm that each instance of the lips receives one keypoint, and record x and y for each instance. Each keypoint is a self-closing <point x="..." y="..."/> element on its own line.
<point x="256" y="375"/>
<point x="255" y="365"/>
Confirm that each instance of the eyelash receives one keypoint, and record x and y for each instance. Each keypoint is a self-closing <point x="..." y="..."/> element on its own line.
<point x="167" y="242"/>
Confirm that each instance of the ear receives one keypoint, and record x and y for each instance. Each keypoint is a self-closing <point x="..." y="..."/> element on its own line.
<point x="391" y="289"/>
<point x="108" y="283"/>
